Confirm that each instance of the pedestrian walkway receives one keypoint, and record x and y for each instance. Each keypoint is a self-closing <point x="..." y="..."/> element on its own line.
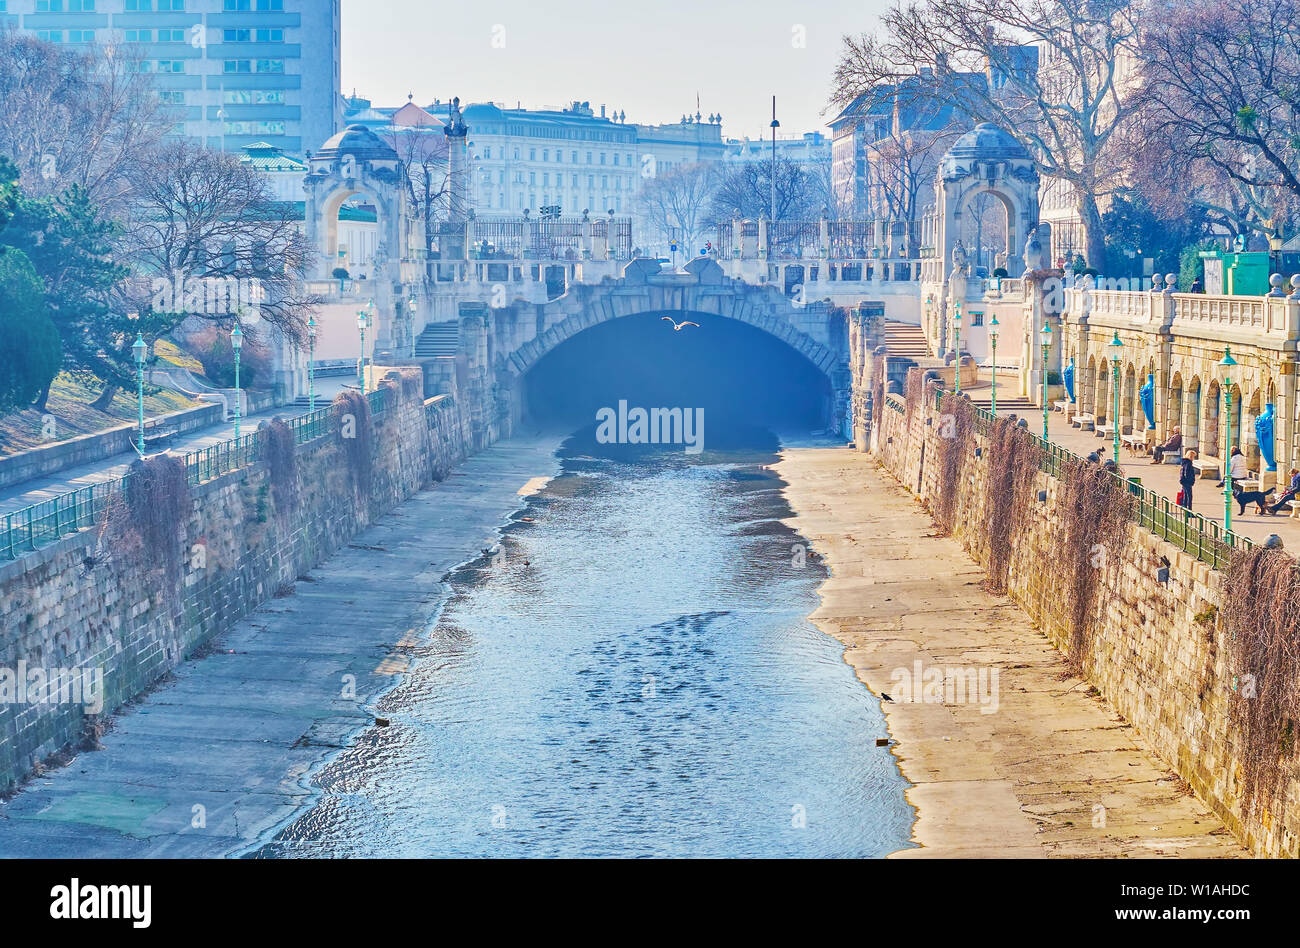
<point x="1207" y="500"/>
<point x="35" y="491"/>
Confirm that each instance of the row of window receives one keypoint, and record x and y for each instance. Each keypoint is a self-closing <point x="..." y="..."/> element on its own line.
<point x="559" y="155"/>
<point x="176" y="37"/>
<point x="255" y="128"/>
<point x="592" y="204"/>
<point x="559" y="180"/>
<point x="230" y="96"/>
<point x="144" y="6"/>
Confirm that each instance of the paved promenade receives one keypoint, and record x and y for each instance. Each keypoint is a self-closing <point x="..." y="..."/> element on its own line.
<point x="1024" y="781"/>
<point x="1207" y="500"/>
<point x="40" y="489"/>
<point x="223" y="752"/>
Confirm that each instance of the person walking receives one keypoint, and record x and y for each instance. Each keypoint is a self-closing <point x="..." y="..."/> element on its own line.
<point x="1236" y="468"/>
<point x="1187" y="478"/>
<point x="1173" y="446"/>
<point x="1290" y="494"/>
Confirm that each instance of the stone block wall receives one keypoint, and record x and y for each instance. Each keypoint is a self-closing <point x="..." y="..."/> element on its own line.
<point x="91" y="602"/>
<point x="1157" y="653"/>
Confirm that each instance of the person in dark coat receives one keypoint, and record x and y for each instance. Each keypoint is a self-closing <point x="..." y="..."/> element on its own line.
<point x="1187" y="477"/>
<point x="1291" y="491"/>
<point x="1173" y="446"/>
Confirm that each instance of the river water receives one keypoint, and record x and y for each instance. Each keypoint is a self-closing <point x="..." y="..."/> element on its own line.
<point x="631" y="673"/>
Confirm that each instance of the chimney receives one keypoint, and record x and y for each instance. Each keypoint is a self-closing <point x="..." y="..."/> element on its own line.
<point x="602" y="111"/>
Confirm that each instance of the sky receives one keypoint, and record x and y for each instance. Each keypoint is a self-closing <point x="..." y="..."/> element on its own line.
<point x="649" y="60"/>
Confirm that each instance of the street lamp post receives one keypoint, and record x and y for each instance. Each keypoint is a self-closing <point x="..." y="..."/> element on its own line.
<point x="956" y="362"/>
<point x="1046" y="336"/>
<point x="363" y="320"/>
<point x="311" y="363"/>
<point x="1116" y="353"/>
<point x="140" y="350"/>
<point x="993" y="338"/>
<point x="412" y="307"/>
<point x="236" y="344"/>
<point x="1227" y="365"/>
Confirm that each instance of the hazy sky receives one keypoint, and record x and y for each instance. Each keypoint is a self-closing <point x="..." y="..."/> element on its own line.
<point x="647" y="59"/>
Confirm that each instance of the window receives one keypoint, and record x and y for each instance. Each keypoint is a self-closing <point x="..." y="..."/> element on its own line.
<point x="171" y="36"/>
<point x="254" y="97"/>
<point x="237" y="36"/>
<point x="532" y="154"/>
<point x="255" y="128"/>
<point x="487" y="152"/>
<point x="58" y="6"/>
<point x="133" y="6"/>
<point x="270" y="36"/>
<point x="237" y="65"/>
<point x="139" y="36"/>
<point x="270" y="65"/>
<point x="50" y="36"/>
<point x="171" y="96"/>
<point x="166" y="5"/>
<point x="81" y="36"/>
<point x="171" y="65"/>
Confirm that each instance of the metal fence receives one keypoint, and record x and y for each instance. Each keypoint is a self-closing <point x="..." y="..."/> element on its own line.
<point x="1190" y="532"/>
<point x="35" y="526"/>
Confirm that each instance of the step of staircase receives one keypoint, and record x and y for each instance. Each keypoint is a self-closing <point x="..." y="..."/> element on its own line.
<point x="904" y="339"/>
<point x="439" y="340"/>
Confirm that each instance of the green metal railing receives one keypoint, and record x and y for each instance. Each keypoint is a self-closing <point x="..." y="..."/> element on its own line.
<point x="32" y="527"/>
<point x="1190" y="532"/>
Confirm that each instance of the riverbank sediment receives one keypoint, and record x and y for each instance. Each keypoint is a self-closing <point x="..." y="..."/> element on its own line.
<point x="1038" y="765"/>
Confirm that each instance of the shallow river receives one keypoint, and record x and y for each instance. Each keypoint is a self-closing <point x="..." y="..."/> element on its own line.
<point x="631" y="673"/>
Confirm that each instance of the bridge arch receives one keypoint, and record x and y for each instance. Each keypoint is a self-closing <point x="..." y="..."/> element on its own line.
<point x="525" y="334"/>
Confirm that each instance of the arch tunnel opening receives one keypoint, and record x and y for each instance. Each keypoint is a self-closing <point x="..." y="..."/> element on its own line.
<point x="749" y="385"/>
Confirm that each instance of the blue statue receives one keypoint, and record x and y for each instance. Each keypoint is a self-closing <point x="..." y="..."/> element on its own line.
<point x="1264" y="436"/>
<point x="1068" y="377"/>
<point x="1148" y="395"/>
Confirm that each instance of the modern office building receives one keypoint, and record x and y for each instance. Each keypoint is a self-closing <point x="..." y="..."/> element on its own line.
<point x="238" y="72"/>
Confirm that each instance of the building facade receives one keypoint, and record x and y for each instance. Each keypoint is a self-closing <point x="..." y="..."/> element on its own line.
<point x="237" y="72"/>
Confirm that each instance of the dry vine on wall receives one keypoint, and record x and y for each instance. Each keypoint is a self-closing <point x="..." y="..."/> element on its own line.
<point x="1261" y="620"/>
<point x="1014" y="458"/>
<point x="956" y="442"/>
<point x="1096" y="511"/>
<point x="146" y="524"/>
<point x="356" y="432"/>
<point x="279" y="453"/>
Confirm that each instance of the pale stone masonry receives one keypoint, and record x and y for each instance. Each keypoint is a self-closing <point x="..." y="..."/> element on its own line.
<point x="74" y="605"/>
<point x="1158" y="658"/>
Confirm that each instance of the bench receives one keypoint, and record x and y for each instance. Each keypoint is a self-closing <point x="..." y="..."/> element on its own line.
<point x="1063" y="406"/>
<point x="1105" y="430"/>
<point x="1208" y="467"/>
<point x="160" y="436"/>
<point x="1083" y="421"/>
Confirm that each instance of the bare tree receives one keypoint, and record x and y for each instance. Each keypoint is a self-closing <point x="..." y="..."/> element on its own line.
<point x="89" y="118"/>
<point x="676" y="202"/>
<point x="424" y="155"/>
<point x="1052" y="73"/>
<point x="207" y="216"/>
<point x="901" y="169"/>
<point x="803" y="193"/>
<point x="1222" y="98"/>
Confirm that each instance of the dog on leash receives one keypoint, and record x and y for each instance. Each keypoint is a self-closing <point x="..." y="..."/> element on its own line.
<point x="1257" y="497"/>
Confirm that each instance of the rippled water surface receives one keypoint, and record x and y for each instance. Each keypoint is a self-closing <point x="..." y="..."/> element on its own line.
<point x="633" y="674"/>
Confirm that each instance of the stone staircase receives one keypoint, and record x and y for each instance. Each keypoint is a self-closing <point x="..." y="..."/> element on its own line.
<point x="438" y="340"/>
<point x="906" y="341"/>
<point x="1008" y="399"/>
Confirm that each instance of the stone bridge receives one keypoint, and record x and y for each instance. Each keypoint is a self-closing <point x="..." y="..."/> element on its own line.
<point x="499" y="345"/>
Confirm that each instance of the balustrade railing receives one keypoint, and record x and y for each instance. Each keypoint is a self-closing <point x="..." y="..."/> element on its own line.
<point x="31" y="527"/>
<point x="1189" y="531"/>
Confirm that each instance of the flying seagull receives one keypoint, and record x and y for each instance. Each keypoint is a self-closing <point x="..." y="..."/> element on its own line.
<point x="678" y="327"/>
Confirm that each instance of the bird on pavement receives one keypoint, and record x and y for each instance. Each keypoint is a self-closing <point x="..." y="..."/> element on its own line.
<point x="678" y="327"/>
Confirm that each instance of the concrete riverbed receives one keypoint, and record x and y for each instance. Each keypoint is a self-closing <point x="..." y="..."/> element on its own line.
<point x="221" y="752"/>
<point x="1049" y="769"/>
